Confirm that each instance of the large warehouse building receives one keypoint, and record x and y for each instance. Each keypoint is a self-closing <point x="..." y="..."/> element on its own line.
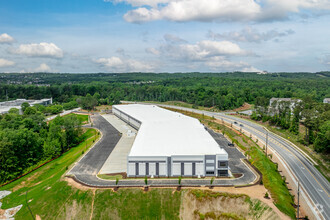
<point x="170" y="144"/>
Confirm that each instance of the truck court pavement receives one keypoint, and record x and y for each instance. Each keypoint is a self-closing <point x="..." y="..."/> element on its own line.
<point x="85" y="171"/>
<point x="314" y="187"/>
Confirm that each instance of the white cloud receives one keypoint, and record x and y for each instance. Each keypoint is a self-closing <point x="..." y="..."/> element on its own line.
<point x="116" y="64"/>
<point x="6" y="63"/>
<point x="6" y="39"/>
<point x="39" y="50"/>
<point x="42" y="68"/>
<point x="202" y="50"/>
<point x="249" y="34"/>
<point x="153" y="51"/>
<point x="218" y="10"/>
<point x="213" y="55"/>
<point x="170" y="38"/>
<point x="200" y="10"/>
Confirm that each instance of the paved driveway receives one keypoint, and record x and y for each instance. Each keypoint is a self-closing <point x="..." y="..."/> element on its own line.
<point x="92" y="162"/>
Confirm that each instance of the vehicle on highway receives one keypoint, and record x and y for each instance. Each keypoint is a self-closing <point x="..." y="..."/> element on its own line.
<point x="231" y="145"/>
<point x="241" y="125"/>
<point x="235" y="122"/>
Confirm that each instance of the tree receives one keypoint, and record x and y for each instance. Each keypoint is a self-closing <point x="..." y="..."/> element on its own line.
<point x="30" y="111"/>
<point x="24" y="106"/>
<point x="13" y="111"/>
<point x="322" y="141"/>
<point x="88" y="102"/>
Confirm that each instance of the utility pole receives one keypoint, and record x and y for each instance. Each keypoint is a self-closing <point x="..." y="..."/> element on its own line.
<point x="298" y="202"/>
<point x="266" y="142"/>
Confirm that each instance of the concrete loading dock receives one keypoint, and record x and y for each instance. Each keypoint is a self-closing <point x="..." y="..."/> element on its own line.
<point x="170" y="144"/>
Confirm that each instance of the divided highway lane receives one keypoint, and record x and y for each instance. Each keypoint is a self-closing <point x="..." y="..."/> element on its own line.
<point x="312" y="181"/>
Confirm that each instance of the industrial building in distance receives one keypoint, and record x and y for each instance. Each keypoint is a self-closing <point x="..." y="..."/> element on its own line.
<point x="170" y="144"/>
<point x="7" y="105"/>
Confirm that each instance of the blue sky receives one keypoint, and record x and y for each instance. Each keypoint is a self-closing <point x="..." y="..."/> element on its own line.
<point x="164" y="35"/>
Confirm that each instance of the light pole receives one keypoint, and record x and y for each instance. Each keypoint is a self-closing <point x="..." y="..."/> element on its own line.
<point x="266" y="140"/>
<point x="298" y="202"/>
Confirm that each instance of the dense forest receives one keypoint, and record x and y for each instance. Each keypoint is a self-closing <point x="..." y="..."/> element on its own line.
<point x="26" y="140"/>
<point x="224" y="91"/>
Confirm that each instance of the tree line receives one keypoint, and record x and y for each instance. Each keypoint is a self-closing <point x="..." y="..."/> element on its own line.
<point x="220" y="92"/>
<point x="27" y="139"/>
<point x="314" y="116"/>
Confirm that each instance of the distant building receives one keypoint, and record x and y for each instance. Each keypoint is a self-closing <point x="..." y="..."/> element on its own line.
<point x="274" y="103"/>
<point x="6" y="106"/>
<point x="326" y="100"/>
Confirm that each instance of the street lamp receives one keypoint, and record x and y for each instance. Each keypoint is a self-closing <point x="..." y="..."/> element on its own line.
<point x="298" y="202"/>
<point x="266" y="142"/>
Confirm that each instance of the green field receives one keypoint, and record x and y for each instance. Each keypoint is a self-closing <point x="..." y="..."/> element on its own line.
<point x="50" y="196"/>
<point x="82" y="118"/>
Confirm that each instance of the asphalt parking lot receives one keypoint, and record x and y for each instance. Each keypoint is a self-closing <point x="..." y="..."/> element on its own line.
<point x="234" y="155"/>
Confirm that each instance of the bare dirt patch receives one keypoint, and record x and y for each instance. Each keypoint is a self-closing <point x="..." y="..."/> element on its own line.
<point x="221" y="205"/>
<point x="254" y="192"/>
<point x="27" y="182"/>
<point x="245" y="106"/>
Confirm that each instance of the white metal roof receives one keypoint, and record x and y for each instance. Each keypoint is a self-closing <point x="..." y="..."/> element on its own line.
<point x="167" y="133"/>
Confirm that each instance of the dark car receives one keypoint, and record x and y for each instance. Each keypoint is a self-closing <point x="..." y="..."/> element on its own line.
<point x="235" y="122"/>
<point x="230" y="144"/>
<point x="241" y="125"/>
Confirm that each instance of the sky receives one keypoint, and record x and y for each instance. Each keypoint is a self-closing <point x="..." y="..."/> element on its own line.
<point x="87" y="36"/>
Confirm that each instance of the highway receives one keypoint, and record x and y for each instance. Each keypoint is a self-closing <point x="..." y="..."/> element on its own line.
<point x="313" y="184"/>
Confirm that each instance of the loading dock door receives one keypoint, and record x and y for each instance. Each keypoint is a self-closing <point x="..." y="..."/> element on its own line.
<point x="157" y="169"/>
<point x="182" y="169"/>
<point x="136" y="169"/>
<point x="194" y="169"/>
<point x="147" y="169"/>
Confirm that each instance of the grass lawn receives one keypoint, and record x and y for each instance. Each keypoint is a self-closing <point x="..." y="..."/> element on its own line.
<point x="82" y="118"/>
<point x="50" y="196"/>
<point x="136" y="204"/>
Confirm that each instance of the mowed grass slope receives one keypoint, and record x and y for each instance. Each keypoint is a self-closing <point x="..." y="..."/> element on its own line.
<point x="82" y="118"/>
<point x="51" y="197"/>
